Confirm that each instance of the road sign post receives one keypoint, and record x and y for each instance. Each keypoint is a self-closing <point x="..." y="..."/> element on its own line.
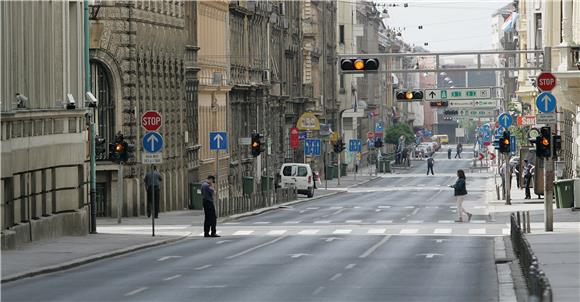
<point x="218" y="141"/>
<point x="152" y="144"/>
<point x="549" y="104"/>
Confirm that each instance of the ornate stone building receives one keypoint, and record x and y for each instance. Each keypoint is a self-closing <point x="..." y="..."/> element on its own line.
<point x="138" y="63"/>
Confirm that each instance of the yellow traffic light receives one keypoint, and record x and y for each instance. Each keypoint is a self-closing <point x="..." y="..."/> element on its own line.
<point x="119" y="148"/>
<point x="255" y="145"/>
<point x="409" y="95"/>
<point x="359" y="65"/>
<point x="544" y="141"/>
<point x="506" y="141"/>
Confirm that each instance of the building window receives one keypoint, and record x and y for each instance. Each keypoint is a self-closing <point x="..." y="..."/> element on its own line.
<point x="341" y="34"/>
<point x="105" y="113"/>
<point x="538" y="34"/>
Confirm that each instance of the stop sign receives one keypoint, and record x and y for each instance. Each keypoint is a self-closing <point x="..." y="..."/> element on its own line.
<point x="151" y="120"/>
<point x="294" y="138"/>
<point x="546" y="81"/>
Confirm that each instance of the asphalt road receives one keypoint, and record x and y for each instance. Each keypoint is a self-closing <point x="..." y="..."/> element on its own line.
<point x="392" y="239"/>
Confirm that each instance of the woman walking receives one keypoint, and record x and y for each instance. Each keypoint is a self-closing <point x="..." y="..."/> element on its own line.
<point x="460" y="192"/>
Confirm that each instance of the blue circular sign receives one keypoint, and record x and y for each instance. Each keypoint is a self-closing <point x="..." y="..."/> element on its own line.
<point x="505" y="120"/>
<point x="546" y="102"/>
<point x="152" y="142"/>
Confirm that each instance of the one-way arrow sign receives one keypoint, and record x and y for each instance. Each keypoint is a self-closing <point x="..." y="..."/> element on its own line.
<point x="432" y="94"/>
<point x="218" y="140"/>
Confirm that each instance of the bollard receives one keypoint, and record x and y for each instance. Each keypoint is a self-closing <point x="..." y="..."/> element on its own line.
<point x="518" y="220"/>
<point x="523" y="222"/>
<point x="529" y="223"/>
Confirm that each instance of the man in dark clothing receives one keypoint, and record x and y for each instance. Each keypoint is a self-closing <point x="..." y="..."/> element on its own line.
<point x="449" y="153"/>
<point x="207" y="192"/>
<point x="430" y="163"/>
<point x="459" y="150"/>
<point x="528" y="173"/>
<point x="152" y="182"/>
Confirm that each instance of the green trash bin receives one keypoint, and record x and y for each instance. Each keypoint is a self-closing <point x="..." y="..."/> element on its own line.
<point x="195" y="199"/>
<point x="335" y="171"/>
<point x="564" y="190"/>
<point x="328" y="173"/>
<point x="264" y="183"/>
<point x="343" y="168"/>
<point x="247" y="185"/>
<point x="387" y="165"/>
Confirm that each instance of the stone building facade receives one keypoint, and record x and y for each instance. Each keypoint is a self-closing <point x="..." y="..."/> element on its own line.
<point x="138" y="51"/>
<point x="43" y="190"/>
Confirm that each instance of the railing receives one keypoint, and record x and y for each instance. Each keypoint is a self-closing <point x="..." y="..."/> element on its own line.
<point x="258" y="200"/>
<point x="539" y="288"/>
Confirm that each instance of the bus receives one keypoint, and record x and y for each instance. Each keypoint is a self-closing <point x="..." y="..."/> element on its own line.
<point x="441" y="138"/>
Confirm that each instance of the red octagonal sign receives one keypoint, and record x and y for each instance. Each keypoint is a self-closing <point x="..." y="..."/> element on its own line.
<point x="151" y="120"/>
<point x="546" y="81"/>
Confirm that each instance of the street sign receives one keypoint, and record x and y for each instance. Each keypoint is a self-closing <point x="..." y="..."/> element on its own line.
<point x="151" y="120"/>
<point x="492" y="155"/>
<point x="505" y="120"/>
<point x="308" y="121"/>
<point x="244" y="141"/>
<point x="294" y="138"/>
<point x="546" y="118"/>
<point x="151" y="158"/>
<point x="533" y="133"/>
<point x="371" y="143"/>
<point x="461" y="104"/>
<point x="546" y="102"/>
<point x="379" y="127"/>
<point x="485" y="103"/>
<point x="370" y="135"/>
<point x="528" y="120"/>
<point x="152" y="142"/>
<point x="302" y="135"/>
<point x="476" y="113"/>
<point x="354" y="145"/>
<point x="546" y="81"/>
<point x="481" y="156"/>
<point x="499" y="131"/>
<point x="218" y="140"/>
<point x="512" y="144"/>
<point x="312" y="147"/>
<point x="457" y="94"/>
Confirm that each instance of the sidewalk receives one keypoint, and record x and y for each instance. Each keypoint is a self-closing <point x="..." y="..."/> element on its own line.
<point x="559" y="251"/>
<point x="134" y="233"/>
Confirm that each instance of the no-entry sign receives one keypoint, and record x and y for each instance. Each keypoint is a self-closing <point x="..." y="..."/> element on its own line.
<point x="151" y="120"/>
<point x="546" y="81"/>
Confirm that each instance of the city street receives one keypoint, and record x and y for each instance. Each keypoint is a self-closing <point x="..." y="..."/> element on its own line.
<point x="392" y="239"/>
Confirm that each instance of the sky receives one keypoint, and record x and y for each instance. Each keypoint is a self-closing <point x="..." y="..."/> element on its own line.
<point x="448" y="25"/>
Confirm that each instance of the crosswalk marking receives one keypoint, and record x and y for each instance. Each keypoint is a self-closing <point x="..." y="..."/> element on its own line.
<point x="446" y="221"/>
<point x="276" y="232"/>
<point x="409" y="231"/>
<point x="242" y="233"/>
<point x="505" y="231"/>
<point x="478" y="221"/>
<point x="409" y="207"/>
<point x="262" y="222"/>
<point x="477" y="231"/>
<point x="335" y="208"/>
<point x="339" y="231"/>
<point x="353" y="221"/>
<point x="442" y="231"/>
<point x="292" y="222"/>
<point x="384" y="221"/>
<point x="308" y="232"/>
<point x="415" y="221"/>
<point x="384" y="207"/>
<point x="377" y="231"/>
<point x="323" y="221"/>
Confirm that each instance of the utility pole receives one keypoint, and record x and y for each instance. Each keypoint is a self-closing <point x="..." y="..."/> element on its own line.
<point x="507" y="172"/>
<point x="549" y="162"/>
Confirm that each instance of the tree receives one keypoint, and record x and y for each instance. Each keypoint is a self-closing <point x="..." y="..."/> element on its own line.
<point x="393" y="133"/>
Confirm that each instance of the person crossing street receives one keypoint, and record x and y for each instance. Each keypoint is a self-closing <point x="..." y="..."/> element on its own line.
<point x="207" y="193"/>
<point x="430" y="163"/>
<point x="152" y="181"/>
<point x="460" y="190"/>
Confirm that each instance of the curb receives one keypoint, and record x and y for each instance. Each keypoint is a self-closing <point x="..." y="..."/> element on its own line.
<point x="506" y="284"/>
<point x="289" y="203"/>
<point x="88" y="259"/>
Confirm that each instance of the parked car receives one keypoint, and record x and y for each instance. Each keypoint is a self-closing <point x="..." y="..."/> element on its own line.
<point x="299" y="176"/>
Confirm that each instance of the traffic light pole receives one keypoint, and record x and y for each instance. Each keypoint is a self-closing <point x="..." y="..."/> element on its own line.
<point x="507" y="177"/>
<point x="152" y="203"/>
<point x="549" y="163"/>
<point x="93" y="171"/>
<point x="119" y="191"/>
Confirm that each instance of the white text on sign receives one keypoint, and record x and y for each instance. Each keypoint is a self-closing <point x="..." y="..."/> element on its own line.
<point x="151" y="120"/>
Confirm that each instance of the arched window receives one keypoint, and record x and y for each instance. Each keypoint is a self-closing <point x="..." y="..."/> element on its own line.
<point x="105" y="114"/>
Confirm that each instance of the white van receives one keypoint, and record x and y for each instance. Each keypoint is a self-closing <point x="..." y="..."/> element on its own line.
<point x="299" y="176"/>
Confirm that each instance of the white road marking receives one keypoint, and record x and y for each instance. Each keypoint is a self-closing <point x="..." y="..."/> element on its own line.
<point x="167" y="258"/>
<point x="262" y="222"/>
<point x="415" y="211"/>
<point x="342" y="231"/>
<point x="206" y="286"/>
<point x="308" y="232"/>
<point x="480" y="207"/>
<point x="350" y="266"/>
<point x="298" y="255"/>
<point x="409" y="207"/>
<point x="384" y="207"/>
<point x="415" y="221"/>
<point x="302" y="212"/>
<point x="429" y="255"/>
<point x="334" y="213"/>
<point x="432" y="207"/>
<point x="242" y="233"/>
<point x="478" y="221"/>
<point x="202" y="267"/>
<point x="446" y="221"/>
<point x="276" y="232"/>
<point x="384" y="221"/>
<point x="374" y="247"/>
<point x="292" y="222"/>
<point x="223" y="241"/>
<point x="505" y="231"/>
<point x="453" y="207"/>
<point x="140" y="289"/>
<point x="353" y="221"/>
<point x="378" y="210"/>
<point x="255" y="248"/>
<point x="336" y="276"/>
<point x="318" y="290"/>
<point x="323" y="221"/>
<point x="377" y="231"/>
<point x="409" y="231"/>
<point x="172" y="277"/>
<point x="442" y="231"/>
<point x="477" y="231"/>
<point x="357" y="207"/>
<point x="313" y="208"/>
<point x="231" y="223"/>
<point x="331" y="239"/>
<point x="335" y="208"/>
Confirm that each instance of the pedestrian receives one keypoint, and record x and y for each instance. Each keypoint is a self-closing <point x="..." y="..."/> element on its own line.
<point x="459" y="150"/>
<point x="210" y="221"/>
<point x="528" y="173"/>
<point x="517" y="171"/>
<point x="430" y="162"/>
<point x="152" y="182"/>
<point x="502" y="176"/>
<point x="460" y="190"/>
<point x="449" y="150"/>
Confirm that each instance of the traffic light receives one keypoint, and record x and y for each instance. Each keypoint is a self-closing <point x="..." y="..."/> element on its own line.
<point x="410" y="95"/>
<point x="117" y="149"/>
<point x="338" y="146"/>
<point x="504" y="143"/>
<point x="129" y="152"/>
<point x="359" y="64"/>
<point x="100" y="146"/>
<point x="256" y="144"/>
<point x="439" y="104"/>
<point x="378" y="143"/>
<point x="543" y="144"/>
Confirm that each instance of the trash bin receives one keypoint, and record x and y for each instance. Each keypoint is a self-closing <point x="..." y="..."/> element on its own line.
<point x="247" y="185"/>
<point x="380" y="167"/>
<point x="387" y="165"/>
<point x="343" y="168"/>
<point x="195" y="199"/>
<point x="328" y="173"/>
<point x="564" y="190"/>
<point x="264" y="183"/>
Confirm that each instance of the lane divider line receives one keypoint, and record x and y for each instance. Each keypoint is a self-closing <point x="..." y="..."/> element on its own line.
<point x="172" y="277"/>
<point x="140" y="289"/>
<point x="202" y="267"/>
<point x="255" y="248"/>
<point x="374" y="247"/>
